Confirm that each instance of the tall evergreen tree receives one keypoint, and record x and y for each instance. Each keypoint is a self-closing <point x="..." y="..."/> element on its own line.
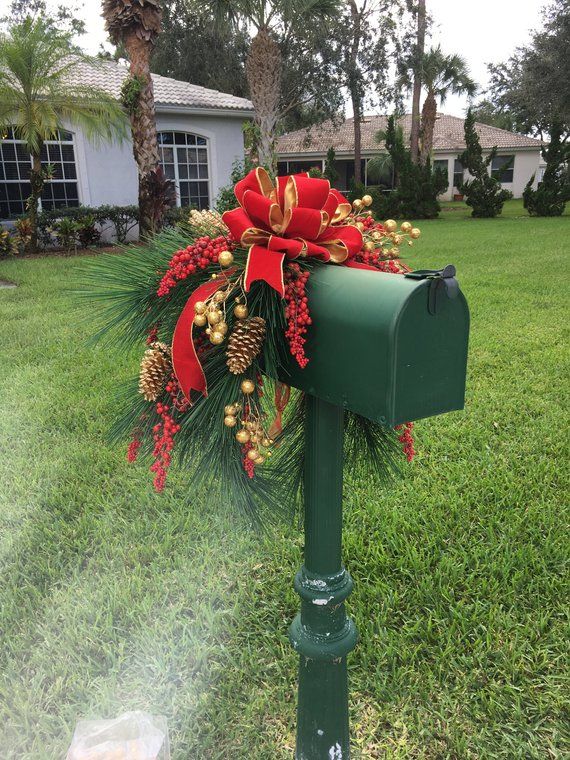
<point x="483" y="192"/>
<point x="552" y="193"/>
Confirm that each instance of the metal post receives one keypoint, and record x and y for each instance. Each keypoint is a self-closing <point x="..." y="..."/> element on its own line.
<point x="322" y="633"/>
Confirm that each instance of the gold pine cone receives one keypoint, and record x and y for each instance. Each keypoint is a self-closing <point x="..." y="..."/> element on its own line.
<point x="156" y="367"/>
<point x="245" y="343"/>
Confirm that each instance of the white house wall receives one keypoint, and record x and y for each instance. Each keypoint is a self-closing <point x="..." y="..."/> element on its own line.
<point x="108" y="173"/>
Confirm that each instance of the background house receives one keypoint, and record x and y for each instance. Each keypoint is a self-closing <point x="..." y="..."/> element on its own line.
<point x="200" y="136"/>
<point x="305" y="148"/>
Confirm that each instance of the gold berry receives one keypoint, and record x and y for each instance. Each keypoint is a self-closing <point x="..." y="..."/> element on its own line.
<point x="215" y="316"/>
<point x="360" y="226"/>
<point x="252" y="454"/>
<point x="415" y="233"/>
<point x="247" y="386"/>
<point x="259" y="459"/>
<point x="200" y="307"/>
<point x="230" y="409"/>
<point x="367" y="200"/>
<point x="230" y="420"/>
<point x="266" y="442"/>
<point x="225" y="258"/>
<point x="219" y="295"/>
<point x="357" y="204"/>
<point x="242" y="436"/>
<point x="216" y="338"/>
<point x="241" y="311"/>
<point x="222" y="327"/>
<point x="398" y="239"/>
<point x="200" y="320"/>
<point x="369" y="246"/>
<point x="406" y="227"/>
<point x="390" y="225"/>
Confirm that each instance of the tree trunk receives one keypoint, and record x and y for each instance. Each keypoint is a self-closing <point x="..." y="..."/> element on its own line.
<point x="420" y="45"/>
<point x="263" y="71"/>
<point x="143" y="128"/>
<point x="429" y="115"/>
<point x="354" y="89"/>
<point x="37" y="184"/>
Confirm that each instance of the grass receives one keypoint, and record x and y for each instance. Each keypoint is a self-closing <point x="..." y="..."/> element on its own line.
<point x="113" y="598"/>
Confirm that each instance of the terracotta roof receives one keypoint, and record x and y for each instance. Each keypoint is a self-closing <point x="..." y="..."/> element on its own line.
<point x="448" y="136"/>
<point x="109" y="76"/>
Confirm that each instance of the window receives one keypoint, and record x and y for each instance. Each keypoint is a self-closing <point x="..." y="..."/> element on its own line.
<point x="297" y="167"/>
<point x="184" y="158"/>
<point x="15" y="165"/>
<point x="503" y="168"/>
<point x="457" y="174"/>
<point x="440" y="165"/>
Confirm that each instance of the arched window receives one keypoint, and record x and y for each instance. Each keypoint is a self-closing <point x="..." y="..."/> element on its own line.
<point x="15" y="165"/>
<point x="184" y="158"/>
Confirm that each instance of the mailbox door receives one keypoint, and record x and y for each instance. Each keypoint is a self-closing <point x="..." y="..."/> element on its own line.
<point x="375" y="349"/>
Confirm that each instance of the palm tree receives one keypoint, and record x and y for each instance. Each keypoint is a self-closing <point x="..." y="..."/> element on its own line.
<point x="441" y="75"/>
<point x="135" y="25"/>
<point x="38" y="97"/>
<point x="264" y="61"/>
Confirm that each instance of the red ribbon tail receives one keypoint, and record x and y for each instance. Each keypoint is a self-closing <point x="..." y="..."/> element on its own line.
<point x="282" y="395"/>
<point x="185" y="361"/>
<point x="263" y="264"/>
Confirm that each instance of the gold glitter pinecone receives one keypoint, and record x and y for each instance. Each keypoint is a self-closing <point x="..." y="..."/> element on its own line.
<point x="155" y="370"/>
<point x="245" y="344"/>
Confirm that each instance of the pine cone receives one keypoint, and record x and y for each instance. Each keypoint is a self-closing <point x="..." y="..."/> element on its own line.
<point x="155" y="369"/>
<point x="244" y="344"/>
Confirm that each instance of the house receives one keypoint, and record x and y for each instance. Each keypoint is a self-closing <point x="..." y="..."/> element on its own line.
<point x="517" y="159"/>
<point x="199" y="133"/>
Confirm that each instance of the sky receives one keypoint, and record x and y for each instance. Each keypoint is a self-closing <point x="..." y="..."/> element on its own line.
<point x="482" y="31"/>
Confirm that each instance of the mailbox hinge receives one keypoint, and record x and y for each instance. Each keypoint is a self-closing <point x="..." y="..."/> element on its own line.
<point x="441" y="281"/>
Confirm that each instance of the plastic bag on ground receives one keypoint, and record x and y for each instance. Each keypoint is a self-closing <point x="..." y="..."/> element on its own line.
<point x="131" y="736"/>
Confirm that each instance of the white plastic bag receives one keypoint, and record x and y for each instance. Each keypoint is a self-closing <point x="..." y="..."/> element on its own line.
<point x="132" y="736"/>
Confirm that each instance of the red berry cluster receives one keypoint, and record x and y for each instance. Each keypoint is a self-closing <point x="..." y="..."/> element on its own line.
<point x="134" y="446"/>
<point x="407" y="440"/>
<point x="187" y="261"/>
<point x="297" y="311"/>
<point x="163" y="435"/>
<point x="179" y="401"/>
<point x="248" y="464"/>
<point x="152" y="334"/>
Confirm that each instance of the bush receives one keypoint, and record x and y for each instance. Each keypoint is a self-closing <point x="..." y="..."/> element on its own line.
<point x="90" y="223"/>
<point x="484" y="192"/>
<point x="549" y="199"/>
<point x="8" y="246"/>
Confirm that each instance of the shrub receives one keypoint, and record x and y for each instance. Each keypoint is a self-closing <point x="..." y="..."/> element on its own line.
<point x="330" y="171"/>
<point x="8" y="246"/>
<point x="226" y="199"/>
<point x="484" y="192"/>
<point x="66" y="231"/>
<point x="549" y="199"/>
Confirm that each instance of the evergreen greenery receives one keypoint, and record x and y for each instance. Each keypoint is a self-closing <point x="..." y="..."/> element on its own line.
<point x="483" y="193"/>
<point x="549" y="199"/>
<point x="330" y="172"/>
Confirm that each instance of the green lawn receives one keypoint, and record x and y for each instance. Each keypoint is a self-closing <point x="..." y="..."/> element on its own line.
<point x="113" y="598"/>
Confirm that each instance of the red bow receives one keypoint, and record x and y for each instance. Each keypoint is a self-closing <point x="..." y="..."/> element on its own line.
<point x="299" y="216"/>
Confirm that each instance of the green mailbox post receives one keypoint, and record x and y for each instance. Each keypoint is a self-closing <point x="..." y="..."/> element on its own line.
<point x="393" y="349"/>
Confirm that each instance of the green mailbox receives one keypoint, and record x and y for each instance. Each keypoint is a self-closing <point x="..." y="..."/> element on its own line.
<point x="391" y="348"/>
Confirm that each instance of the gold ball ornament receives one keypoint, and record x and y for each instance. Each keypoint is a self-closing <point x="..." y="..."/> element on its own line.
<point x="200" y="307"/>
<point x="406" y="227"/>
<point x="415" y="233"/>
<point x="377" y="236"/>
<point x="216" y="338"/>
<point x="390" y="225"/>
<point x="369" y="246"/>
<point x="230" y="420"/>
<point x="357" y="204"/>
<point x="253" y="454"/>
<point x="222" y="327"/>
<point x="360" y="226"/>
<point x="259" y="459"/>
<point x="226" y="258"/>
<point x="241" y="311"/>
<point x="242" y="436"/>
<point x="215" y="316"/>
<point x="266" y="442"/>
<point x="231" y="409"/>
<point x="398" y="239"/>
<point x="219" y="296"/>
<point x="367" y="200"/>
<point x="247" y="386"/>
<point x="394" y="252"/>
<point x="200" y="320"/>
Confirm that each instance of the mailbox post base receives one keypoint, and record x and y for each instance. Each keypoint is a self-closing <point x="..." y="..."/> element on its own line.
<point x="322" y="633"/>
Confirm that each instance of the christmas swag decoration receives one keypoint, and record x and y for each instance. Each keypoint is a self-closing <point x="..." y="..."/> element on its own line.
<point x="222" y="302"/>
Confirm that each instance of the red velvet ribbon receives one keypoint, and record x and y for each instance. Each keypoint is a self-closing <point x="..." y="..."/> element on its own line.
<point x="299" y="216"/>
<point x="185" y="362"/>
